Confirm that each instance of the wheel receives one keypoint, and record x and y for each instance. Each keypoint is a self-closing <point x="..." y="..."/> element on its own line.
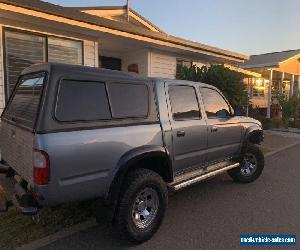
<point x="142" y="205"/>
<point x="251" y="165"/>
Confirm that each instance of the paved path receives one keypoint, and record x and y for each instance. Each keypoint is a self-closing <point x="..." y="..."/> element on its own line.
<point x="213" y="214"/>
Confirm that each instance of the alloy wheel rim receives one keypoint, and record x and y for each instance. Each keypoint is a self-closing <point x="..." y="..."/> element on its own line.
<point x="145" y="207"/>
<point x="249" y="164"/>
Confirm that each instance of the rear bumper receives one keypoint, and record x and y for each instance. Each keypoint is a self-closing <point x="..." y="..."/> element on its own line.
<point x="22" y="199"/>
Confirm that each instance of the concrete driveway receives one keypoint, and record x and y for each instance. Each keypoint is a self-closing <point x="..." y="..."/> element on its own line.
<point x="213" y="214"/>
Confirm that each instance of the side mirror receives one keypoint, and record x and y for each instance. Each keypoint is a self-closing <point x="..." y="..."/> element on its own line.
<point x="223" y="113"/>
<point x="239" y="111"/>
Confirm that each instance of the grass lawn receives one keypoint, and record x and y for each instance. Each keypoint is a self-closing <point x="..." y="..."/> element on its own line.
<point x="17" y="229"/>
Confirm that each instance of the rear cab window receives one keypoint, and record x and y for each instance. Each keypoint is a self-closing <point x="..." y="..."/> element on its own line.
<point x="128" y="100"/>
<point x="23" y="105"/>
<point x="82" y="101"/>
<point x="95" y="101"/>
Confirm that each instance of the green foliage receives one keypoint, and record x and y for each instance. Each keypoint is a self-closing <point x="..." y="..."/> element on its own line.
<point x="290" y="107"/>
<point x="228" y="81"/>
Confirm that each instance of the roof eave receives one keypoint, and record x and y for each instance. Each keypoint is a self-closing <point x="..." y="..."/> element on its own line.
<point x="263" y="65"/>
<point x="77" y="15"/>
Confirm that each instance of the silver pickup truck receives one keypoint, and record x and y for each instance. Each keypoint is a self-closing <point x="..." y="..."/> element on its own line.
<point x="73" y="133"/>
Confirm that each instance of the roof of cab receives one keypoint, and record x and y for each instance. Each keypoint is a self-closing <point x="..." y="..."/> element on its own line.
<point x="78" y="68"/>
<point x="48" y="67"/>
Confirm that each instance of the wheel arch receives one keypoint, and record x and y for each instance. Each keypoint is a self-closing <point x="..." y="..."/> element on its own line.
<point x="254" y="135"/>
<point x="155" y="158"/>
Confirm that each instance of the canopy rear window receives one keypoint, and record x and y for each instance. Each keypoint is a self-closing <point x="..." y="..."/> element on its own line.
<point x="24" y="103"/>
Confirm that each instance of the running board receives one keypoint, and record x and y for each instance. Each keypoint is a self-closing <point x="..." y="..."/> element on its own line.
<point x="203" y="176"/>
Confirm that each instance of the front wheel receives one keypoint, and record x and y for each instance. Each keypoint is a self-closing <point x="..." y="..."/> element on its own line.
<point x="251" y="165"/>
<point x="142" y="205"/>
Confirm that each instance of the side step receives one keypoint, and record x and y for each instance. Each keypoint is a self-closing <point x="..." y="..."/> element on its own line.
<point x="200" y="175"/>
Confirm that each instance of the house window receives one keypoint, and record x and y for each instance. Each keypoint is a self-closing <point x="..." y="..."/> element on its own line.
<point x="23" y="49"/>
<point x="180" y="63"/>
<point x="64" y="51"/>
<point x="258" y="89"/>
<point x="110" y="63"/>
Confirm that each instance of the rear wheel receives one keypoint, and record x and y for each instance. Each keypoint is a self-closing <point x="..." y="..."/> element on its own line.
<point x="142" y="205"/>
<point x="251" y="165"/>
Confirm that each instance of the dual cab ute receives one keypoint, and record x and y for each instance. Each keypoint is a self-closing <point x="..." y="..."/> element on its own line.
<point x="73" y="133"/>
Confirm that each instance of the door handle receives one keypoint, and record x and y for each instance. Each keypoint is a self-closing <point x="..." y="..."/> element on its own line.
<point x="214" y="129"/>
<point x="180" y="133"/>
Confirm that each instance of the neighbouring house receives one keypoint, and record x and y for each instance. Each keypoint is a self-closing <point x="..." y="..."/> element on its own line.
<point x="116" y="38"/>
<point x="279" y="71"/>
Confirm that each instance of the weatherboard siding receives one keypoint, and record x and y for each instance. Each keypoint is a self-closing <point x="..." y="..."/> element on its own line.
<point x="139" y="57"/>
<point x="162" y="65"/>
<point x="90" y="49"/>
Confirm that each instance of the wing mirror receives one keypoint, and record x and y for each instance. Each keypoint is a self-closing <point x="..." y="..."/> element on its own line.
<point x="239" y="111"/>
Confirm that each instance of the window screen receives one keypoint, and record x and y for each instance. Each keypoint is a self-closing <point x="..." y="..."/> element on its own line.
<point x="23" y="107"/>
<point x="64" y="51"/>
<point x="82" y="101"/>
<point x="21" y="50"/>
<point x="184" y="103"/>
<point x="215" y="105"/>
<point x="128" y="100"/>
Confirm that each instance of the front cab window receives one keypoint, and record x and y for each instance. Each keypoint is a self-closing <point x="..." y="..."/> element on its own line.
<point x="215" y="104"/>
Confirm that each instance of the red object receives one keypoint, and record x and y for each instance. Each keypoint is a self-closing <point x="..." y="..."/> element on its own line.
<point x="41" y="167"/>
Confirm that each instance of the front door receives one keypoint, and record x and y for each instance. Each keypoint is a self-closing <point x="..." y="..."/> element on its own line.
<point x="189" y="130"/>
<point x="224" y="131"/>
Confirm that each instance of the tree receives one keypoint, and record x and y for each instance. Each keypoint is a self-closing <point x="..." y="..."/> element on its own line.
<point x="228" y="81"/>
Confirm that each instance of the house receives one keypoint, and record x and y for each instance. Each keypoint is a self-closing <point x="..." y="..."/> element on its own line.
<point x="279" y="71"/>
<point x="34" y="31"/>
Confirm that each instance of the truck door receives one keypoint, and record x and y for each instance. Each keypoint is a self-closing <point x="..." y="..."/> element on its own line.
<point x="224" y="131"/>
<point x="189" y="129"/>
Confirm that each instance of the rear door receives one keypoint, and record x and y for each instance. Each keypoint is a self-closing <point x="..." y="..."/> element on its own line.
<point x="189" y="129"/>
<point x="18" y="124"/>
<point x="224" y="133"/>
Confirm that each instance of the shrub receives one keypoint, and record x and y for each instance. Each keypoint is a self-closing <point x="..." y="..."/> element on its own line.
<point x="290" y="108"/>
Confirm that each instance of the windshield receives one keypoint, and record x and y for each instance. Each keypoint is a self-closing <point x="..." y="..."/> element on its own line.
<point x="24" y="104"/>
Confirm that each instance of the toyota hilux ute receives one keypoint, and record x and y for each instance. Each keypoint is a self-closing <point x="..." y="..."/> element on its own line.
<point x="71" y="133"/>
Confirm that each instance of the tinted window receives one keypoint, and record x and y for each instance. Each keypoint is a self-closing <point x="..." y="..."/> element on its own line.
<point x="82" y="101"/>
<point x="184" y="103"/>
<point x="215" y="105"/>
<point x="128" y="100"/>
<point x="23" y="107"/>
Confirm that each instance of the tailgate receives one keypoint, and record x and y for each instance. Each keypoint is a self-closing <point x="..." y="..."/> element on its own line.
<point x="16" y="149"/>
